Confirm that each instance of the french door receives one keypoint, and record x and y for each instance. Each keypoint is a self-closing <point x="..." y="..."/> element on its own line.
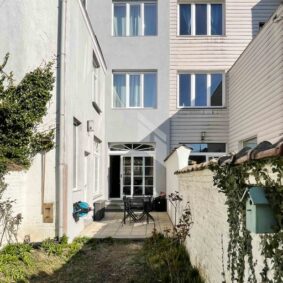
<point x="137" y="175"/>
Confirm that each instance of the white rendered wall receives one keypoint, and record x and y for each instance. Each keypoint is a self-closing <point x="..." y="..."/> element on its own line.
<point x="209" y="238"/>
<point x="78" y="104"/>
<point x="29" y="34"/>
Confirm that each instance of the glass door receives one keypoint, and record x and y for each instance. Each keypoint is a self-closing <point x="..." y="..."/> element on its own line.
<point x="137" y="175"/>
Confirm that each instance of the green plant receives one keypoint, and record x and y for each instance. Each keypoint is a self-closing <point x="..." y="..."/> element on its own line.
<point x="167" y="260"/>
<point x="22" y="107"/>
<point x="233" y="181"/>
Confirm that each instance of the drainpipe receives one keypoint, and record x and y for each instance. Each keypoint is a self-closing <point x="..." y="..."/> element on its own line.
<point x="61" y="192"/>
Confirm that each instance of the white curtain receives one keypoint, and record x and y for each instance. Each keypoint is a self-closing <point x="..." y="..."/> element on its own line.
<point x="119" y="90"/>
<point x="135" y="92"/>
<point x="119" y="20"/>
<point x="135" y="20"/>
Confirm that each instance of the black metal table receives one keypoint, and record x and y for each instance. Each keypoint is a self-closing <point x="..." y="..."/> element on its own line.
<point x="137" y="204"/>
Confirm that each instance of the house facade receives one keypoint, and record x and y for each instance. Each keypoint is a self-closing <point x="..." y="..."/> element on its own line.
<point x="59" y="31"/>
<point x="206" y="38"/>
<point x="135" y="42"/>
<point x="255" y="89"/>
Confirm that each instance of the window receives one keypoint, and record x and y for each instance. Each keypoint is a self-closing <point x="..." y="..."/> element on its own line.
<point x="201" y="19"/>
<point x="138" y="175"/>
<point x="95" y="84"/>
<point x="86" y="174"/>
<point x="131" y="146"/>
<point x="201" y="90"/>
<point x="251" y="142"/>
<point x="134" y="90"/>
<point x="202" y="152"/>
<point x="135" y="19"/>
<point x="96" y="165"/>
<point x="76" y="136"/>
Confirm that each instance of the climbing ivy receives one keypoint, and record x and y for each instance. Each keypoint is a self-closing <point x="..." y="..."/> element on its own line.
<point x="233" y="181"/>
<point x="22" y="107"/>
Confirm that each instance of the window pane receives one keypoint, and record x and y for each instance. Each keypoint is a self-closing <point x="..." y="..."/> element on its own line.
<point x="207" y="147"/>
<point x="185" y="19"/>
<point x="150" y="90"/>
<point x="138" y="191"/>
<point x="119" y="20"/>
<point x="150" y="19"/>
<point x="148" y="161"/>
<point x="135" y="20"/>
<point x="135" y="93"/>
<point x="216" y="19"/>
<point x="201" y="90"/>
<point x="201" y="19"/>
<point x="216" y="90"/>
<point x="184" y="90"/>
<point x="119" y="90"/>
<point x="251" y="143"/>
<point x="149" y="191"/>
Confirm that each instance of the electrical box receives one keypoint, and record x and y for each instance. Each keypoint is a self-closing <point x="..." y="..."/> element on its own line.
<point x="48" y="213"/>
<point x="259" y="215"/>
<point x="90" y="125"/>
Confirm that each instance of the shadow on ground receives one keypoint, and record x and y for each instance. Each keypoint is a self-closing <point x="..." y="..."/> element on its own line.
<point x="99" y="261"/>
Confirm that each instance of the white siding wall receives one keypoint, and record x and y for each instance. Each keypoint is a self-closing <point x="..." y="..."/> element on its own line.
<point x="256" y="88"/>
<point x="205" y="53"/>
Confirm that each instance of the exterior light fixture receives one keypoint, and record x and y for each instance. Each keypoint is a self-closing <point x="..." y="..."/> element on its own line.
<point x="202" y="136"/>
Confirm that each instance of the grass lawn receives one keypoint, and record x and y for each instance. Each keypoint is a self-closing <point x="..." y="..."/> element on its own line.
<point x="159" y="259"/>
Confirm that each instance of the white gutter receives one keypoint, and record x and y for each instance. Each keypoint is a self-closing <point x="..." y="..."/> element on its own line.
<point x="61" y="203"/>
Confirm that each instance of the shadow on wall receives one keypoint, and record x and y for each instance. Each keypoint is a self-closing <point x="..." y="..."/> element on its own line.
<point x="261" y="12"/>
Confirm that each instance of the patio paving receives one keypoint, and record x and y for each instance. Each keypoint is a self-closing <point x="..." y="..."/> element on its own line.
<point x="112" y="226"/>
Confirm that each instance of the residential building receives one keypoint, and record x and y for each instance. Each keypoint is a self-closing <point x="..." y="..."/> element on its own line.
<point x="255" y="88"/>
<point x="39" y="31"/>
<point x="135" y="42"/>
<point x="206" y="38"/>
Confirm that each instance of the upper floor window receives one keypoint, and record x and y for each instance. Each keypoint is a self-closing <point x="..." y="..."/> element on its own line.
<point x="135" y="18"/>
<point x="134" y="90"/>
<point x="201" y="90"/>
<point x="201" y="19"/>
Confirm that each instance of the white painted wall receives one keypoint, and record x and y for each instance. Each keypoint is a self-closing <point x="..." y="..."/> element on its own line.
<point x="210" y="229"/>
<point x="78" y="104"/>
<point x="29" y="34"/>
<point x="256" y="88"/>
<point x="29" y="31"/>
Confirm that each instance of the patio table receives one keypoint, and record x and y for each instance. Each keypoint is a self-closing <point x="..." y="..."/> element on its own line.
<point x="136" y="204"/>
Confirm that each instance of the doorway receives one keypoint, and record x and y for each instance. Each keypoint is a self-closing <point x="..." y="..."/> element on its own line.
<point x="114" y="177"/>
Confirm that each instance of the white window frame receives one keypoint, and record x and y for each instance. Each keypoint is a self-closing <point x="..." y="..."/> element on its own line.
<point x="193" y="89"/>
<point x="208" y="154"/>
<point x="86" y="174"/>
<point x="76" y="153"/>
<point x="128" y="89"/>
<point x="242" y="142"/>
<point x="193" y="19"/>
<point x="96" y="166"/>
<point x="128" y="4"/>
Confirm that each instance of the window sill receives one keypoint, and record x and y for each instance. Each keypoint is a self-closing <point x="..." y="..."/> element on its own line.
<point x="133" y="108"/>
<point x="96" y="107"/>
<point x="133" y="36"/>
<point x="202" y="36"/>
<point x="202" y="107"/>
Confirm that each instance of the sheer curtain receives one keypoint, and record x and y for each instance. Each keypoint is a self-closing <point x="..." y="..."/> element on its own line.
<point x="185" y="19"/>
<point x="216" y="19"/>
<point x="119" y="90"/>
<point x="135" y="20"/>
<point x="135" y="91"/>
<point x="119" y="20"/>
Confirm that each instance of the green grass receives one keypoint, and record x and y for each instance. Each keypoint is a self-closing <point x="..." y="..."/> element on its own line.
<point x="158" y="259"/>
